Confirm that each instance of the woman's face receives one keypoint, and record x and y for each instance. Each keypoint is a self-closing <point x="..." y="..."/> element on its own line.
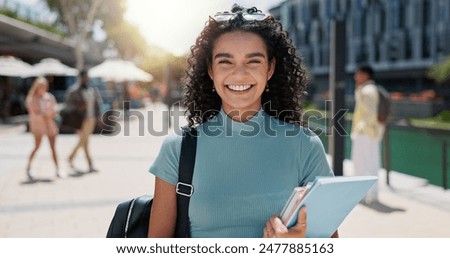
<point x="240" y="70"/>
<point x="42" y="89"/>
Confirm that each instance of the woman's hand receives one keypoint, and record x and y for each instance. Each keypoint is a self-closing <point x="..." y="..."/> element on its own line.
<point x="276" y="229"/>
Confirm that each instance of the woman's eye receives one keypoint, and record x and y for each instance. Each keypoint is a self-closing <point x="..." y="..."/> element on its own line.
<point x="224" y="61"/>
<point x="255" y="61"/>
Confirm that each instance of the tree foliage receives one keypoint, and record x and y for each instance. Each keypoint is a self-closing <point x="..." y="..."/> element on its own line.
<point x="126" y="38"/>
<point x="72" y="13"/>
<point x="440" y="72"/>
<point x="78" y="18"/>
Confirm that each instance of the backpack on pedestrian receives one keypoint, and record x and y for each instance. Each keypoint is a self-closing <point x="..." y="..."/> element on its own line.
<point x="384" y="104"/>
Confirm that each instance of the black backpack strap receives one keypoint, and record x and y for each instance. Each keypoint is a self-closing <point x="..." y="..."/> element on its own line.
<point x="184" y="186"/>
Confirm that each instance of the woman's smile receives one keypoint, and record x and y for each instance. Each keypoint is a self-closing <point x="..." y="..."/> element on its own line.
<point x="239" y="87"/>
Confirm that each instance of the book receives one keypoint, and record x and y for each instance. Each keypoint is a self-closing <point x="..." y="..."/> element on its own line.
<point x="328" y="201"/>
<point x="293" y="202"/>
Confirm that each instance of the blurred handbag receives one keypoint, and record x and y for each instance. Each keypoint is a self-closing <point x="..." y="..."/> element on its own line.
<point x="131" y="218"/>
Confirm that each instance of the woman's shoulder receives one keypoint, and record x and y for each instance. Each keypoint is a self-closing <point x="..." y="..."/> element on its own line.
<point x="173" y="137"/>
<point x="369" y="89"/>
<point x="292" y="129"/>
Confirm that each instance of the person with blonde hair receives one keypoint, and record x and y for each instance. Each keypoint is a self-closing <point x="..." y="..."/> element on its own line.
<point x="42" y="109"/>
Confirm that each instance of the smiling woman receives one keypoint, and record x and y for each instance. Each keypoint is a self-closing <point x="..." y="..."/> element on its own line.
<point x="244" y="92"/>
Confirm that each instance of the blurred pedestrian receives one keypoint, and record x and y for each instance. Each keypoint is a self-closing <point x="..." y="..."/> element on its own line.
<point x="82" y="98"/>
<point x="244" y="91"/>
<point x="42" y="110"/>
<point x="367" y="131"/>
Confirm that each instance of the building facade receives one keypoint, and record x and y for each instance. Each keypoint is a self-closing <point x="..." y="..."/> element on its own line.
<point x="400" y="39"/>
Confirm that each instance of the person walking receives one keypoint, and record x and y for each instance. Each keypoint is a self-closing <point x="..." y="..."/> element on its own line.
<point x="42" y="109"/>
<point x="244" y="91"/>
<point x="367" y="131"/>
<point x="86" y="101"/>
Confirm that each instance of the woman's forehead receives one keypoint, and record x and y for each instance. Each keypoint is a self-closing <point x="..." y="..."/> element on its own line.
<point x="239" y="42"/>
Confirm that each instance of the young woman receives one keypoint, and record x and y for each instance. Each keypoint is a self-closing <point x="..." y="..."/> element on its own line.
<point x="244" y="90"/>
<point x="42" y="110"/>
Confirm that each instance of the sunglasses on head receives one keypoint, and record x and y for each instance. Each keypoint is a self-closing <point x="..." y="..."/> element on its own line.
<point x="251" y="14"/>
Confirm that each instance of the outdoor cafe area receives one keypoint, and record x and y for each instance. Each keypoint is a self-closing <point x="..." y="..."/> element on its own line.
<point x="117" y="80"/>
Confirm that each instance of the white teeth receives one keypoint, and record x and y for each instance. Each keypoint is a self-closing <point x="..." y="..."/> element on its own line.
<point x="239" y="87"/>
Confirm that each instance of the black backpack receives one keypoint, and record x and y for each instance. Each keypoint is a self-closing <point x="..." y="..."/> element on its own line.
<point x="131" y="218"/>
<point x="384" y="104"/>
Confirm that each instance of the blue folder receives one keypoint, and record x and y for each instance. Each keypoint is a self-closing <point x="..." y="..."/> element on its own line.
<point x="329" y="201"/>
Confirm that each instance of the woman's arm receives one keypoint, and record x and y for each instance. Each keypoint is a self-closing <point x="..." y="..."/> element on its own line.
<point x="164" y="210"/>
<point x="33" y="106"/>
<point x="51" y="110"/>
<point x="335" y="234"/>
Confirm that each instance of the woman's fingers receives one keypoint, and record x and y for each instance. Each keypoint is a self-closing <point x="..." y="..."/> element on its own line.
<point x="279" y="229"/>
<point x="275" y="227"/>
<point x="299" y="230"/>
<point x="302" y="217"/>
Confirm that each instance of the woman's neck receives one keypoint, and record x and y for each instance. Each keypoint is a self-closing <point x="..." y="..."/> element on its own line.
<point x="241" y="115"/>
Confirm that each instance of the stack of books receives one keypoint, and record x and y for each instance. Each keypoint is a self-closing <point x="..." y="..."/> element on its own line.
<point x="328" y="201"/>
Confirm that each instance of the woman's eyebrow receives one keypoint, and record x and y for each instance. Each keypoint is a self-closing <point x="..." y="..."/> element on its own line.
<point x="219" y="55"/>
<point x="255" y="54"/>
<point x="249" y="55"/>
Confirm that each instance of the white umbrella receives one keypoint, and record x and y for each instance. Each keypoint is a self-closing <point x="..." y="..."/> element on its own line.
<point x="118" y="70"/>
<point x="14" y="67"/>
<point x="51" y="66"/>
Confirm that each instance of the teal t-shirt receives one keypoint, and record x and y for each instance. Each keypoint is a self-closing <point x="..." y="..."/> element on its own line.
<point x="244" y="172"/>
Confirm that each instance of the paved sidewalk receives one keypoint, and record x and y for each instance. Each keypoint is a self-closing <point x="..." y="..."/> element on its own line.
<point x="82" y="205"/>
<point x="409" y="207"/>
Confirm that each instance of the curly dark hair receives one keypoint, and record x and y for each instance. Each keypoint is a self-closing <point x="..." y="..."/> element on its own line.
<point x="287" y="85"/>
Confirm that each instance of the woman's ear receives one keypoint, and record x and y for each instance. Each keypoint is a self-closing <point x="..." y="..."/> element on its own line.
<point x="210" y="72"/>
<point x="271" y="68"/>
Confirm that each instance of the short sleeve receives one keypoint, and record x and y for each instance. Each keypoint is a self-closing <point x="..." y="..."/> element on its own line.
<point x="165" y="165"/>
<point x="313" y="159"/>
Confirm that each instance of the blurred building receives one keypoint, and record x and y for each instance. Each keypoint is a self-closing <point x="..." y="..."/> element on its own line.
<point x="28" y="31"/>
<point x="400" y="39"/>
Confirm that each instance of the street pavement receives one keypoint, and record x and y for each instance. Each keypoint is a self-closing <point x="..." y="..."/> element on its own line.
<point x="82" y="204"/>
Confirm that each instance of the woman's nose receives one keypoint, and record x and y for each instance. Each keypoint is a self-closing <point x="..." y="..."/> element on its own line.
<point x="239" y="70"/>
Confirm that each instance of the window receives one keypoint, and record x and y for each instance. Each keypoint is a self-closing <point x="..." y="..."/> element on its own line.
<point x="426" y="22"/>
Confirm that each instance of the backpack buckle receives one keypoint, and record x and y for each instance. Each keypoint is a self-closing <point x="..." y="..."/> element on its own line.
<point x="184" y="189"/>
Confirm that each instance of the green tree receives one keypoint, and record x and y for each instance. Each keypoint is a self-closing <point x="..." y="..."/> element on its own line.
<point x="128" y="40"/>
<point x="440" y="72"/>
<point x="78" y="18"/>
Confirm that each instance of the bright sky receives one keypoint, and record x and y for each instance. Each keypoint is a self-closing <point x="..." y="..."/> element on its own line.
<point x="175" y="24"/>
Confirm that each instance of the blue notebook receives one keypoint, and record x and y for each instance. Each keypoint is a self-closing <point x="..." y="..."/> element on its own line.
<point x="329" y="200"/>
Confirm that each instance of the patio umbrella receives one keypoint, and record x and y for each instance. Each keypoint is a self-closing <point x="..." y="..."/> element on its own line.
<point x="51" y="66"/>
<point x="118" y="70"/>
<point x="14" y="67"/>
